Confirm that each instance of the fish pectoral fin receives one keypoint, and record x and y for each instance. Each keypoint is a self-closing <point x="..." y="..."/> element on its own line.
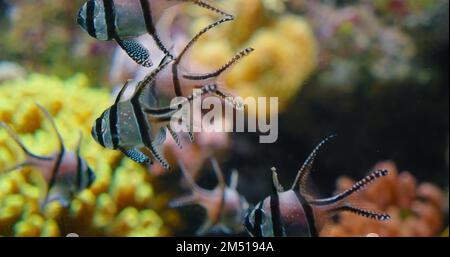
<point x="136" y="155"/>
<point x="136" y="51"/>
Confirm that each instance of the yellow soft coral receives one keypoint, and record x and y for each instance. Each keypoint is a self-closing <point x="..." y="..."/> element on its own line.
<point x="121" y="202"/>
<point x="285" y="49"/>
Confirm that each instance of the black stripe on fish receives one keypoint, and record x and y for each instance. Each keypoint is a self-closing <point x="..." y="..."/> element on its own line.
<point x="110" y="16"/>
<point x="90" y="22"/>
<point x="54" y="173"/>
<point x="141" y="121"/>
<point x="147" y="11"/>
<point x="150" y="25"/>
<point x="113" y="120"/>
<point x="277" y="225"/>
<point x="309" y="214"/>
<point x="98" y="131"/>
<point x="78" y="179"/>
<point x="258" y="221"/>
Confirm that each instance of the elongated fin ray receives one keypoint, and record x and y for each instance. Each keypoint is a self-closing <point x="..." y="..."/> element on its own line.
<point x="158" y="156"/>
<point x="29" y="155"/>
<point x="122" y="91"/>
<point x="174" y="136"/>
<point x="175" y="78"/>
<point x="205" y="5"/>
<point x="198" y="35"/>
<point x="277" y="187"/>
<point x="305" y="170"/>
<point x="362" y="212"/>
<point x="355" y="188"/>
<point x="222" y="69"/>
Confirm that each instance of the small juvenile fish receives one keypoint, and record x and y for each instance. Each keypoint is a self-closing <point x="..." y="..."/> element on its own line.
<point x="63" y="167"/>
<point x="225" y="207"/>
<point x="138" y="122"/>
<point x="296" y="213"/>
<point x="125" y="20"/>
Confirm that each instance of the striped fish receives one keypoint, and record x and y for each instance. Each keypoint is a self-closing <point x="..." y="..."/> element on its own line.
<point x="65" y="169"/>
<point x="125" y="20"/>
<point x="138" y="122"/>
<point x="225" y="207"/>
<point x="129" y="125"/>
<point x="296" y="213"/>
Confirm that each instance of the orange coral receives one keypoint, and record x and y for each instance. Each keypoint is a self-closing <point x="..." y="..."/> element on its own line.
<point x="416" y="209"/>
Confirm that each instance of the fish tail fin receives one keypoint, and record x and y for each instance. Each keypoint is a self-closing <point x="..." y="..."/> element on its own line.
<point x="348" y="199"/>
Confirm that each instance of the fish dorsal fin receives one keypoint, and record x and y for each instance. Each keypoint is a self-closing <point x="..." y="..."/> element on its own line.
<point x="305" y="170"/>
<point x="277" y="187"/>
<point x="19" y="142"/>
<point x="53" y="124"/>
<point x="149" y="79"/>
<point x="122" y="91"/>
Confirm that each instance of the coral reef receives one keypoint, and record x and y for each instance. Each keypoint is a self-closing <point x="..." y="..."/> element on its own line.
<point x="121" y="202"/>
<point x="285" y="46"/>
<point x="416" y="209"/>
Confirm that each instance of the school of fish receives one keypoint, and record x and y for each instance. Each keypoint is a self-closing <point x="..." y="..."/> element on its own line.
<point x="138" y="126"/>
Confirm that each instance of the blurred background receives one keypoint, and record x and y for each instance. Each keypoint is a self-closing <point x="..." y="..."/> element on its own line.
<point x="373" y="72"/>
